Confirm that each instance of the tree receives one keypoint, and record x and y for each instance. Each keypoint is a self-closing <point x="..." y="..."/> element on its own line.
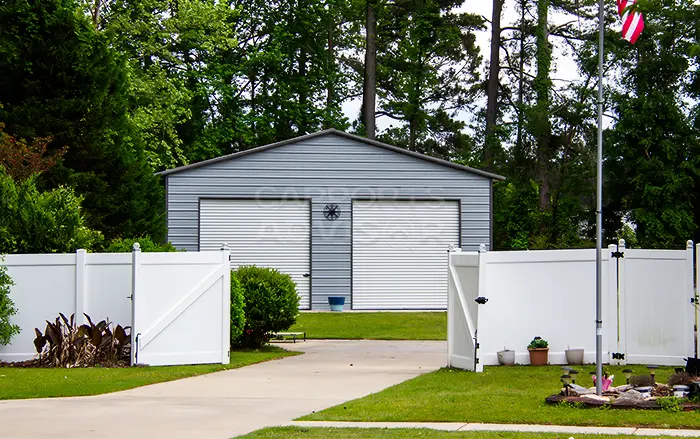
<point x="22" y="160"/>
<point x="59" y="78"/>
<point x="652" y="152"/>
<point x="427" y="69"/>
<point x="493" y="86"/>
<point x="41" y="222"/>
<point x="369" y="90"/>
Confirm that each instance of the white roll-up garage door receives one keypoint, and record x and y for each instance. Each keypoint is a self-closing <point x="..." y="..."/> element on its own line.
<point x="268" y="233"/>
<point x="399" y="258"/>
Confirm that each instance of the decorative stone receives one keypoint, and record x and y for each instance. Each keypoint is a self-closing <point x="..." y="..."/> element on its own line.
<point x="631" y="397"/>
<point x="623" y="388"/>
<point x="593" y="397"/>
<point x="576" y="390"/>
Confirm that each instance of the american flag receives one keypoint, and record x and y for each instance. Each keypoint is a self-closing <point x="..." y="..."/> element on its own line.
<point x="632" y="21"/>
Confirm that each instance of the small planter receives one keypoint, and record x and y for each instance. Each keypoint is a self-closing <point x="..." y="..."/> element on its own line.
<point x="336" y="303"/>
<point x="574" y="356"/>
<point x="539" y="356"/>
<point x="506" y="357"/>
<point x="680" y="391"/>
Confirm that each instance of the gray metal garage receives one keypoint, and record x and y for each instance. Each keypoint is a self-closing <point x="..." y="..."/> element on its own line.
<point x="343" y="215"/>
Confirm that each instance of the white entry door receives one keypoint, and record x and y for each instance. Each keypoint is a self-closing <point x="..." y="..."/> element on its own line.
<point x="268" y="233"/>
<point x="399" y="258"/>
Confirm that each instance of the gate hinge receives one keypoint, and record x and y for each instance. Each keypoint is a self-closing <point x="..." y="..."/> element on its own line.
<point x="476" y="361"/>
<point x="476" y="346"/>
<point x="617" y="255"/>
<point x="618" y="356"/>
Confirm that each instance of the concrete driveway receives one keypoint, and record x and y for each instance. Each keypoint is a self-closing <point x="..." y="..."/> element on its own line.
<point x="226" y="404"/>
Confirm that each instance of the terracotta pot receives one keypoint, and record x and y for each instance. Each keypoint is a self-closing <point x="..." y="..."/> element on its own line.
<point x="538" y="356"/>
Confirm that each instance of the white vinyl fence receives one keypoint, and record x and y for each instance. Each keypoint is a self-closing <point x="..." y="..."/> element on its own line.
<point x="647" y="312"/>
<point x="179" y="315"/>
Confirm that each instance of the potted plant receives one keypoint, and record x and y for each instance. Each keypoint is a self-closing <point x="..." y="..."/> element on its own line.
<point x="539" y="351"/>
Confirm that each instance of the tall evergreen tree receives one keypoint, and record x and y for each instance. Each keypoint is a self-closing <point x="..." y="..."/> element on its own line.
<point x="427" y="72"/>
<point x="60" y="79"/>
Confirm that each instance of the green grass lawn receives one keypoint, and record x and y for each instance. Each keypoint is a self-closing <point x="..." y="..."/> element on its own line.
<point x="411" y="433"/>
<point x="373" y="325"/>
<point x="17" y="383"/>
<point x="512" y="395"/>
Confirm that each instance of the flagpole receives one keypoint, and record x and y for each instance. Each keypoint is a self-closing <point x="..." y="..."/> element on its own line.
<point x="599" y="209"/>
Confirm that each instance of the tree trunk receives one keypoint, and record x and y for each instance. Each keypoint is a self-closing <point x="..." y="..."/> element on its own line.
<point x="492" y="88"/>
<point x="96" y="13"/>
<point x="331" y="68"/>
<point x="542" y="86"/>
<point x="412" y="128"/>
<point x="303" y="90"/>
<point x="519" y="139"/>
<point x="369" y="97"/>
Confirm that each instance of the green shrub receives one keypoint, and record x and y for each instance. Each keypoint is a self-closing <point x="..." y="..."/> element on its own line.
<point x="670" y="404"/>
<point x="538" y="343"/>
<point x="126" y="245"/>
<point x="271" y="303"/>
<point x="237" y="309"/>
<point x="41" y="222"/>
<point x="7" y="309"/>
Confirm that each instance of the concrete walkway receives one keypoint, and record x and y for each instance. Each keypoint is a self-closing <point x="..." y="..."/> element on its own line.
<point x="225" y="404"/>
<point x="461" y="426"/>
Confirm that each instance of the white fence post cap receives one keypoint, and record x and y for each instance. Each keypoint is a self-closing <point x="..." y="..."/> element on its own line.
<point x="689" y="243"/>
<point x="137" y="247"/>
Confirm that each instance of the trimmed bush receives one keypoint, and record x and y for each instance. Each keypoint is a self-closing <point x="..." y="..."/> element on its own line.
<point x="237" y="310"/>
<point x="7" y="308"/>
<point x="126" y="245"/>
<point x="271" y="303"/>
<point x="33" y="221"/>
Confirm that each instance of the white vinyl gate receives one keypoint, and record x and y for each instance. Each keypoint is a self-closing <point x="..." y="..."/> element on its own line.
<point x="464" y="275"/>
<point x="399" y="253"/>
<point x="266" y="233"/>
<point x="181" y="304"/>
<point x="648" y="314"/>
<point x="653" y="317"/>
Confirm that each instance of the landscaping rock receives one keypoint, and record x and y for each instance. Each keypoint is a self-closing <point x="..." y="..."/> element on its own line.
<point x="631" y="397"/>
<point x="576" y="390"/>
<point x="622" y="389"/>
<point x="596" y="398"/>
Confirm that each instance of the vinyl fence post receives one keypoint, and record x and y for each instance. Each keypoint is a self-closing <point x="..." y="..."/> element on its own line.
<point x="135" y="268"/>
<point x="226" y="305"/>
<point x="80" y="283"/>
<point x="450" y="307"/>
<point x="691" y="291"/>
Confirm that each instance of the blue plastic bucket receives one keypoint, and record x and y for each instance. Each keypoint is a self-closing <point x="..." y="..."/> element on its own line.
<point x="336" y="303"/>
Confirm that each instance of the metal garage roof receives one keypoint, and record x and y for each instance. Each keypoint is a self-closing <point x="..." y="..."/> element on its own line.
<point x="341" y="134"/>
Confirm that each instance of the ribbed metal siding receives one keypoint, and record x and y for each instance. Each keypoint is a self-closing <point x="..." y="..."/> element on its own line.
<point x="400" y="253"/>
<point x="327" y="169"/>
<point x="267" y="233"/>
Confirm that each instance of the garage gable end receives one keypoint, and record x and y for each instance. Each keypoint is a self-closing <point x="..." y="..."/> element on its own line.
<point x="333" y="132"/>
